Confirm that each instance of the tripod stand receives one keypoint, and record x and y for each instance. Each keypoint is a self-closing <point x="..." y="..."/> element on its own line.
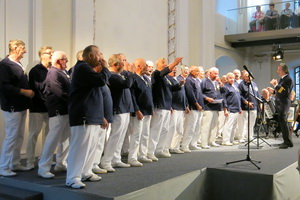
<point x="260" y="126"/>
<point x="248" y="157"/>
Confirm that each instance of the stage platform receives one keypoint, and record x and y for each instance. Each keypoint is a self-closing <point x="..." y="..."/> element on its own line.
<point x="202" y="174"/>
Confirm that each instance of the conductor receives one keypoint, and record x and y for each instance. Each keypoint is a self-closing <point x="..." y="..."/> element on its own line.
<point x="282" y="90"/>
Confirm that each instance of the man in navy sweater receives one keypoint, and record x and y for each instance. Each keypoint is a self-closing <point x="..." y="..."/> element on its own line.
<point x="56" y="92"/>
<point x="249" y="91"/>
<point x="38" y="109"/>
<point x="162" y="99"/>
<point x="15" y="97"/>
<point x="85" y="114"/>
<point x="196" y="104"/>
<point x="211" y="90"/>
<point x="232" y="109"/>
<point x="122" y="107"/>
<point x="179" y="109"/>
<point x="139" y="126"/>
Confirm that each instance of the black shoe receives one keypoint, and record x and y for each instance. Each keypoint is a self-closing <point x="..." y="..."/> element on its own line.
<point x="296" y="133"/>
<point x="285" y="146"/>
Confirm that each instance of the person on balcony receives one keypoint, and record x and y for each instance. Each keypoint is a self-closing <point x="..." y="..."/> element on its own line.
<point x="271" y="18"/>
<point x="257" y="20"/>
<point x="286" y="16"/>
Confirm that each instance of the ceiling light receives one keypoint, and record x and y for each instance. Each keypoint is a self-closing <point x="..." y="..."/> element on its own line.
<point x="279" y="54"/>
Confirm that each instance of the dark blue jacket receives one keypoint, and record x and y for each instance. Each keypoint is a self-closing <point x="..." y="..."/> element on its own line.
<point x="179" y="101"/>
<point x="108" y="104"/>
<point x="120" y="92"/>
<point x="12" y="79"/>
<point x="57" y="92"/>
<point x="37" y="77"/>
<point x="85" y="102"/>
<point x="282" y="94"/>
<point x="243" y="88"/>
<point x="211" y="89"/>
<point x="193" y="92"/>
<point x="142" y="95"/>
<point x="162" y="89"/>
<point x="232" y="99"/>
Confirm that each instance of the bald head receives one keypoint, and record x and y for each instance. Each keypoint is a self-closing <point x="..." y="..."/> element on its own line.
<point x="141" y="67"/>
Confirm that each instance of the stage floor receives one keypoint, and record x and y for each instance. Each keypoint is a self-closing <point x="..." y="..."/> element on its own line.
<point x="127" y="181"/>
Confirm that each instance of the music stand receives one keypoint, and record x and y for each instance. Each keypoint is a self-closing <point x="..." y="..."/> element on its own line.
<point x="257" y="137"/>
<point x="248" y="157"/>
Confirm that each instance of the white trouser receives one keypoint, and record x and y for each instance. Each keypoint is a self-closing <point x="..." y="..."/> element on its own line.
<point x="158" y="131"/>
<point x="221" y="122"/>
<point x="175" y="132"/>
<point x="36" y="121"/>
<point x="58" y="136"/>
<point x="143" y="149"/>
<point x="137" y="127"/>
<point x="192" y="119"/>
<point x="238" y="132"/>
<point x="100" y="146"/>
<point x="229" y="127"/>
<point x="209" y="127"/>
<point x="14" y="134"/>
<point x="253" y="114"/>
<point x="126" y="143"/>
<point x="112" y="150"/>
<point x="83" y="143"/>
<point x="198" y="130"/>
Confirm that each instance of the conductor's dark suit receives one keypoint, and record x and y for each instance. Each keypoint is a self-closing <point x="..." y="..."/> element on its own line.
<point x="282" y="105"/>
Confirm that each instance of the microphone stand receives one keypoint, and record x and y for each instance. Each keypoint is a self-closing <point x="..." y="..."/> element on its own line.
<point x="257" y="137"/>
<point x="248" y="157"/>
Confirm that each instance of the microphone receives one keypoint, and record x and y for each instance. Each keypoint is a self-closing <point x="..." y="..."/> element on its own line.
<point x="250" y="74"/>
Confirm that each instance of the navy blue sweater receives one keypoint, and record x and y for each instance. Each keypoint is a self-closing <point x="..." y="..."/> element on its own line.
<point x="120" y="92"/>
<point x="193" y="92"/>
<point x="12" y="79"/>
<point x="162" y="89"/>
<point x="37" y="77"/>
<point x="211" y="89"/>
<point x="243" y="88"/>
<point x="85" y="103"/>
<point x="142" y="95"/>
<point x="179" y="101"/>
<point x="57" y="92"/>
<point x="232" y="99"/>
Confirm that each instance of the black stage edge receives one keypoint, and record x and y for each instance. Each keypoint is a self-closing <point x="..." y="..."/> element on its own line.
<point x="202" y="174"/>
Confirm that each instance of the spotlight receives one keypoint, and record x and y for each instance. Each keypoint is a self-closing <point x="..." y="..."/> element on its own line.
<point x="278" y="55"/>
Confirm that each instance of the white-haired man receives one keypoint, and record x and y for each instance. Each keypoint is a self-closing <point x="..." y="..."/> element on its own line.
<point x="211" y="90"/>
<point x="15" y="99"/>
<point x="57" y="93"/>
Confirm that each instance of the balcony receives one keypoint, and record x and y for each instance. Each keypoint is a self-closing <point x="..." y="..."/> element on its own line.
<point x="238" y="32"/>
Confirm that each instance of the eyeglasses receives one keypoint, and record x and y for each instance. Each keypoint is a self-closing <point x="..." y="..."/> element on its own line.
<point x="64" y="59"/>
<point x="49" y="53"/>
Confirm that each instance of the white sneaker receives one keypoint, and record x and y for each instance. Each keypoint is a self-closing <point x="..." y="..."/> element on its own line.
<point x="76" y="185"/>
<point x="227" y="144"/>
<point x="235" y="142"/>
<point x="20" y="168"/>
<point x="144" y="159"/>
<point x="60" y="168"/>
<point x="162" y="155"/>
<point x="152" y="157"/>
<point x="107" y="167"/>
<point x="205" y="147"/>
<point x="7" y="172"/>
<point x="241" y="141"/>
<point x="120" y="165"/>
<point x="176" y="151"/>
<point x="97" y="170"/>
<point x="167" y="152"/>
<point x="192" y="147"/>
<point x="214" y="144"/>
<point x="135" y="163"/>
<point x="185" y="150"/>
<point x="92" y="178"/>
<point x="47" y="175"/>
<point x="30" y="166"/>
